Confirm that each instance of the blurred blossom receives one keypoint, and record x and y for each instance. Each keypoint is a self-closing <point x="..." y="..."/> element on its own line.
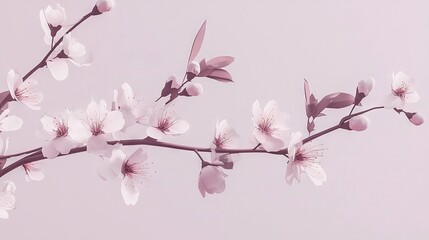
<point x="57" y="128"/>
<point x="7" y="199"/>
<point x="212" y="178"/>
<point x="132" y="109"/>
<point x="22" y="91"/>
<point x="94" y="126"/>
<point x="225" y="135"/>
<point x="270" y="126"/>
<point x="9" y="123"/>
<point x="403" y="91"/>
<point x="304" y="158"/>
<point x="132" y="170"/>
<point x="33" y="171"/>
<point x="359" y="123"/>
<point x="164" y="122"/>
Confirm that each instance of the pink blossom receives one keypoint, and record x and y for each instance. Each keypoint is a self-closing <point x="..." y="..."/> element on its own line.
<point x="131" y="170"/>
<point x="73" y="51"/>
<point x="303" y="158"/>
<point x="7" y="199"/>
<point x="23" y="91"/>
<point x="403" y="91"/>
<point x="95" y="125"/>
<point x="9" y="123"/>
<point x="105" y="5"/>
<point x="212" y="178"/>
<point x="359" y="123"/>
<point x="163" y="122"/>
<point x="132" y="109"/>
<point x="33" y="172"/>
<point x="225" y="135"/>
<point x="51" y="20"/>
<point x="193" y="68"/>
<point x="57" y="128"/>
<point x="270" y="126"/>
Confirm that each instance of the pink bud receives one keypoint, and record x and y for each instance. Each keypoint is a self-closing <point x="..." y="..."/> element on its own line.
<point x="359" y="123"/>
<point x="365" y="86"/>
<point x="417" y="119"/>
<point x="194" y="89"/>
<point x="193" y="67"/>
<point x="174" y="82"/>
<point x="105" y="5"/>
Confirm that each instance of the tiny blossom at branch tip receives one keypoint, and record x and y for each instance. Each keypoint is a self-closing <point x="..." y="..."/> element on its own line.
<point x="363" y="89"/>
<point x="23" y="91"/>
<point x="303" y="158"/>
<point x="105" y="5"/>
<point x="7" y="198"/>
<point x="164" y="122"/>
<point x="212" y="178"/>
<point x="270" y="128"/>
<point x="193" y="68"/>
<point x="415" y="118"/>
<point x="403" y="91"/>
<point x="51" y="20"/>
<point x="192" y="89"/>
<point x="131" y="170"/>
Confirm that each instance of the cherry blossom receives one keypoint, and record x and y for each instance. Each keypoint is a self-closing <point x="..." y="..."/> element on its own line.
<point x="33" y="171"/>
<point x="403" y="91"/>
<point x="105" y="5"/>
<point x="23" y="91"/>
<point x="131" y="170"/>
<point x="57" y="128"/>
<point x="212" y="177"/>
<point x="73" y="51"/>
<point x="225" y="135"/>
<point x="359" y="123"/>
<point x="303" y="158"/>
<point x="51" y="20"/>
<point x="94" y="125"/>
<point x="9" y="123"/>
<point x="7" y="199"/>
<point x="163" y="122"/>
<point x="132" y="109"/>
<point x="270" y="127"/>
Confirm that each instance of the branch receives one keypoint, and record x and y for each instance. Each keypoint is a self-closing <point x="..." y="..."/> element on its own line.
<point x="37" y="153"/>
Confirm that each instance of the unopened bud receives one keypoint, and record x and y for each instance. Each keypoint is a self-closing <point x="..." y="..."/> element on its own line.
<point x="415" y="118"/>
<point x="105" y="5"/>
<point x="194" y="68"/>
<point x="359" y="123"/>
<point x="193" y="89"/>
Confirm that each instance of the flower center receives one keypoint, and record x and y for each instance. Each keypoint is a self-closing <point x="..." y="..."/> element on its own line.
<point x="97" y="128"/>
<point x="265" y="125"/>
<point x="308" y="153"/>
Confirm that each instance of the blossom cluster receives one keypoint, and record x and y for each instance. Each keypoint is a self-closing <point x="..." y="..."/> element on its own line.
<point x="100" y="128"/>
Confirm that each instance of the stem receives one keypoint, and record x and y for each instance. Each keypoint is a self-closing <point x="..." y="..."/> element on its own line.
<point x="42" y="63"/>
<point x="37" y="154"/>
<point x="353" y="108"/>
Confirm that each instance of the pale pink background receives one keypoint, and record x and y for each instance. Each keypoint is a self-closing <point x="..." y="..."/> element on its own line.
<point x="377" y="180"/>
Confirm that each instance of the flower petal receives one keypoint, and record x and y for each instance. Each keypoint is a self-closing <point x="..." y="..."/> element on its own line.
<point x="412" y="97"/>
<point x="49" y="151"/>
<point x="393" y="101"/>
<point x="113" y="122"/>
<point x="58" y="68"/>
<point x="10" y="123"/>
<point x="155" y="133"/>
<point x="178" y="127"/>
<point x="130" y="192"/>
<point x="96" y="144"/>
<point x="64" y="144"/>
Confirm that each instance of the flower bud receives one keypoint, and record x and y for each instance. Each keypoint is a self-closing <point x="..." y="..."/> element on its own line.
<point x="105" y="5"/>
<point x="194" y="68"/>
<point x="173" y="80"/>
<point x="365" y="86"/>
<point x="359" y="123"/>
<point x="415" y="118"/>
<point x="194" y="89"/>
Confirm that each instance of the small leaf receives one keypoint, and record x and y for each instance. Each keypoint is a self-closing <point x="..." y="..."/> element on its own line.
<point x="220" y="62"/>
<point x="341" y="100"/>
<point x="220" y="75"/>
<point x="310" y="126"/>
<point x="198" y="41"/>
